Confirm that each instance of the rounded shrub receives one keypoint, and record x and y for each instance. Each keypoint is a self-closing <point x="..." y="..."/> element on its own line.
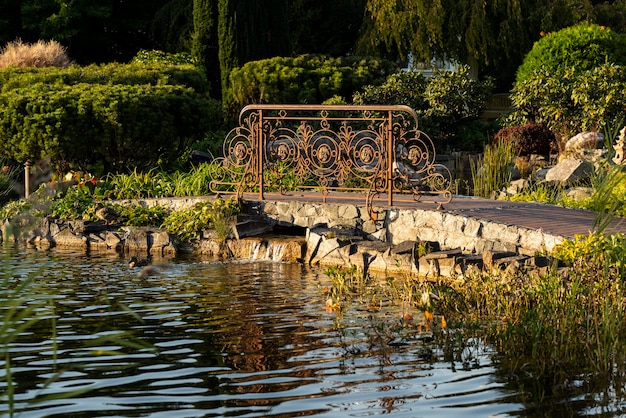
<point x="581" y="47"/>
<point x="401" y="88"/>
<point x="448" y="105"/>
<point x="568" y="103"/>
<point x="303" y="79"/>
<point x="527" y="139"/>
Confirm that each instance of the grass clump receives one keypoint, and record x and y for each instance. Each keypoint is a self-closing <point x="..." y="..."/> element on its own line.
<point x="494" y="169"/>
<point x="561" y="324"/>
<point x="557" y="323"/>
<point x="188" y="224"/>
<point x="37" y="55"/>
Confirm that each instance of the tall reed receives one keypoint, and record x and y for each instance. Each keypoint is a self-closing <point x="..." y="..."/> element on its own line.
<point x="21" y="308"/>
<point x="493" y="170"/>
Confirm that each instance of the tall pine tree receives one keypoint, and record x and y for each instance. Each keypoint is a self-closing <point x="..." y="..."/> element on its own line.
<point x="204" y="42"/>
<point x="227" y="43"/>
<point x="250" y="30"/>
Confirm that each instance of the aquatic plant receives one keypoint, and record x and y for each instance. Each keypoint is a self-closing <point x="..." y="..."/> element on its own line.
<point x="138" y="215"/>
<point x="556" y="324"/>
<point x="188" y="223"/>
<point x="493" y="170"/>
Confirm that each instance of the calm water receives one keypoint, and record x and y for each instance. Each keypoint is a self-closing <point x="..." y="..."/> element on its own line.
<point x="246" y="339"/>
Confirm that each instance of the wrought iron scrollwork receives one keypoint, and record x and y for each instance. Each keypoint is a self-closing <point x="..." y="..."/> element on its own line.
<point x="376" y="150"/>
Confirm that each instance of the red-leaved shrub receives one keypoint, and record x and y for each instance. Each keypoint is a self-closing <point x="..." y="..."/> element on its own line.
<point x="531" y="138"/>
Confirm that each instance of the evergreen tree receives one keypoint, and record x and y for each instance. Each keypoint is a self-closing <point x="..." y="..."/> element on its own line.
<point x="204" y="42"/>
<point x="10" y="21"/>
<point x="262" y="29"/>
<point x="329" y="28"/>
<point x="227" y="42"/>
<point x="172" y="26"/>
<point x="249" y="30"/>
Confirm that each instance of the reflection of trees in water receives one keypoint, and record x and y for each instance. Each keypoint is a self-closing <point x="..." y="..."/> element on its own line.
<point x="251" y="304"/>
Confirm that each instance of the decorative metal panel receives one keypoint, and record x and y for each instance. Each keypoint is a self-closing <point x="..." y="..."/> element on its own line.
<point x="371" y="150"/>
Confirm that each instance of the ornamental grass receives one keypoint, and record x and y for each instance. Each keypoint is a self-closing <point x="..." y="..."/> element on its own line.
<point x="36" y="55"/>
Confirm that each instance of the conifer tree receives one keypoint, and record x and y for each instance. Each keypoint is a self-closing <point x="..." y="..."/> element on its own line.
<point x="204" y="42"/>
<point x="227" y="42"/>
<point x="250" y="30"/>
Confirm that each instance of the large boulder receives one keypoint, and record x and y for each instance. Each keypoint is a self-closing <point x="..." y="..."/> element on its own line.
<point x="570" y="171"/>
<point x="579" y="145"/>
<point x="584" y="141"/>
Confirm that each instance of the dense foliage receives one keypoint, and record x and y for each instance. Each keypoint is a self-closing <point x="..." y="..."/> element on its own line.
<point x="92" y="31"/>
<point x="448" y="105"/>
<point x="492" y="36"/>
<point x="527" y="139"/>
<point x="303" y="79"/>
<point x="568" y="102"/>
<point x="579" y="48"/>
<point x="204" y="41"/>
<point x="109" y="118"/>
<point x="151" y="73"/>
<point x="148" y="58"/>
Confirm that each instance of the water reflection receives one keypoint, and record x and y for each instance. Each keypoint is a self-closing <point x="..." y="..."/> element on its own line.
<point x="204" y="339"/>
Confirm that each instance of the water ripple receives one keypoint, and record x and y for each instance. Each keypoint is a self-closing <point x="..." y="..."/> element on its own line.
<point x="226" y="339"/>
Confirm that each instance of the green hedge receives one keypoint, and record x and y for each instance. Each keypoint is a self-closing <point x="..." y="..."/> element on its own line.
<point x="135" y="73"/>
<point x="580" y="48"/>
<point x="303" y="79"/>
<point x="102" y="128"/>
<point x="108" y="118"/>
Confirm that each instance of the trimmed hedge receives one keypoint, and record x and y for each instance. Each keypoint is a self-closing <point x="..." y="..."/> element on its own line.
<point x="303" y="79"/>
<point x="153" y="74"/>
<point x="101" y="128"/>
<point x="110" y="118"/>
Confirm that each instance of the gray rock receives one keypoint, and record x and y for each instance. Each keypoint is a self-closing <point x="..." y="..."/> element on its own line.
<point x="137" y="240"/>
<point x="517" y="186"/>
<point x="569" y="172"/>
<point x="66" y="238"/>
<point x="251" y="227"/>
<point x="579" y="193"/>
<point x="160" y="242"/>
<point x="584" y="141"/>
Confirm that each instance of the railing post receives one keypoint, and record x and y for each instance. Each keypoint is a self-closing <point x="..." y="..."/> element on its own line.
<point x="260" y="152"/>
<point x="390" y="157"/>
<point x="26" y="179"/>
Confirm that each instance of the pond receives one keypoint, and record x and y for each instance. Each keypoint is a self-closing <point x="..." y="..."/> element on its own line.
<point x="249" y="338"/>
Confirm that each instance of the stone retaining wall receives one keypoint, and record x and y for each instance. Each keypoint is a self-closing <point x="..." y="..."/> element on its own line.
<point x="335" y="234"/>
<point x="450" y="230"/>
<point x="345" y="234"/>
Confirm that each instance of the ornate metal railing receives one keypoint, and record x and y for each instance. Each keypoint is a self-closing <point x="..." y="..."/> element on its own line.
<point x="376" y="150"/>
